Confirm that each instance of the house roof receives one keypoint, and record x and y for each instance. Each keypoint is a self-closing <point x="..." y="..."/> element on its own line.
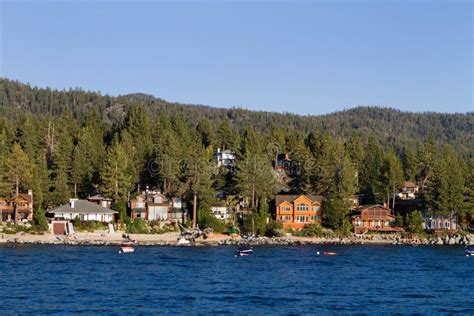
<point x="409" y="184"/>
<point x="22" y="197"/>
<point x="364" y="207"/>
<point x="291" y="197"/>
<point x="83" y="206"/>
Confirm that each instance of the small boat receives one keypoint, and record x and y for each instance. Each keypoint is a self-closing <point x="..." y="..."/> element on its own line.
<point x="244" y="251"/>
<point x="329" y="253"/>
<point x="183" y="241"/>
<point x="469" y="251"/>
<point x="126" y="248"/>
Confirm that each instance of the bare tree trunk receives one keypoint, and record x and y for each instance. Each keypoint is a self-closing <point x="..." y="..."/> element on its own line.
<point x="194" y="210"/>
<point x="17" y="183"/>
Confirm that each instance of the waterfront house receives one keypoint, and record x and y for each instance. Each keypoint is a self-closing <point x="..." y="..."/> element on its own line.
<point x="439" y="222"/>
<point x="138" y="206"/>
<point x="158" y="207"/>
<point x="225" y="158"/>
<point x="298" y="211"/>
<point x="155" y="206"/>
<point x="409" y="191"/>
<point x="176" y="210"/>
<point x="221" y="212"/>
<point x="84" y="210"/>
<point x="373" y="218"/>
<point x="100" y="200"/>
<point x="19" y="208"/>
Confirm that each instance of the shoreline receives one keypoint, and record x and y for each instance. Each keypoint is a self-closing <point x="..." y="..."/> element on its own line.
<point x="170" y="240"/>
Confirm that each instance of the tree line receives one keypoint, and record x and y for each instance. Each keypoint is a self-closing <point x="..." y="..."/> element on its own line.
<point x="71" y="143"/>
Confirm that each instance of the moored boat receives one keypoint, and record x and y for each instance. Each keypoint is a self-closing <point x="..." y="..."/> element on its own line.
<point x="244" y="251"/>
<point x="126" y="248"/>
<point x="469" y="250"/>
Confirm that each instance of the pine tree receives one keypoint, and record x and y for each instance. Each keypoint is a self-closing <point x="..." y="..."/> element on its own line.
<point x="370" y="178"/>
<point x="391" y="177"/>
<point x="115" y="175"/>
<point x="445" y="187"/>
<point x="19" y="170"/>
<point x="300" y="169"/>
<point x="337" y="183"/>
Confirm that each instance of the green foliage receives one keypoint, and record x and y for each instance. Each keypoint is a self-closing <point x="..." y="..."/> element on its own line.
<point x="137" y="226"/>
<point x="275" y="229"/>
<point x="399" y="221"/>
<point x="89" y="226"/>
<point x="63" y="142"/>
<point x="414" y="222"/>
<point x="446" y="185"/>
<point x="39" y="223"/>
<point x="116" y="179"/>
<point x="121" y="207"/>
<point x="207" y="220"/>
<point x="312" y="230"/>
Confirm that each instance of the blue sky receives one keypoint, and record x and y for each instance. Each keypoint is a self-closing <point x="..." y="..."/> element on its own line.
<point x="306" y="57"/>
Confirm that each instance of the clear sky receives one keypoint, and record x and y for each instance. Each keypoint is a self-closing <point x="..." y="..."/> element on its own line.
<point x="306" y="57"/>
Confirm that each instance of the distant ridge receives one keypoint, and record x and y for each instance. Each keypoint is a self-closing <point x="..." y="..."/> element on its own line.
<point x="386" y="124"/>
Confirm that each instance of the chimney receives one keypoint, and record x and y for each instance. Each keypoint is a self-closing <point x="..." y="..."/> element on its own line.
<point x="72" y="202"/>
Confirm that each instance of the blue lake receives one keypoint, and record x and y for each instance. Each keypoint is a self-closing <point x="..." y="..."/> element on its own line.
<point x="278" y="280"/>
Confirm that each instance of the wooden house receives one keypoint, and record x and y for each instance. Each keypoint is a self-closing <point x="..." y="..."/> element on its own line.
<point x="155" y="206"/>
<point x="410" y="191"/>
<point x="19" y="208"/>
<point x="298" y="211"/>
<point x="373" y="218"/>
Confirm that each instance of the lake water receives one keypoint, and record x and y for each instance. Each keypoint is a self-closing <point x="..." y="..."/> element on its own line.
<point x="277" y="280"/>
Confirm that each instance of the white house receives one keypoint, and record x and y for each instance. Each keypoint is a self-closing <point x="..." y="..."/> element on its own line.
<point x="84" y="210"/>
<point x="225" y="158"/>
<point x="221" y="212"/>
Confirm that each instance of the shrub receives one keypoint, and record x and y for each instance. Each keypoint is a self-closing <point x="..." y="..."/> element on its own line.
<point x="208" y="220"/>
<point x="414" y="223"/>
<point x="312" y="230"/>
<point x="39" y="222"/>
<point x="275" y="229"/>
<point x="137" y="227"/>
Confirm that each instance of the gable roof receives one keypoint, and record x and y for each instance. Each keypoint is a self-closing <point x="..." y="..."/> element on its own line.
<point x="366" y="207"/>
<point x="280" y="198"/>
<point x="83" y="206"/>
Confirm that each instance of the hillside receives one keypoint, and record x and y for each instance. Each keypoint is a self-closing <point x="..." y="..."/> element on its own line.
<point x="386" y="124"/>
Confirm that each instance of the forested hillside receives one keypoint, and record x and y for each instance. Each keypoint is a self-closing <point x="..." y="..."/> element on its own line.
<point x="386" y="125"/>
<point x="66" y="143"/>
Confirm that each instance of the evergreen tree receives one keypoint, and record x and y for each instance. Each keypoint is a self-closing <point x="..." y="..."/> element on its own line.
<point x="19" y="170"/>
<point x="116" y="178"/>
<point x="445" y="187"/>
<point x="371" y="185"/>
<point x="391" y="177"/>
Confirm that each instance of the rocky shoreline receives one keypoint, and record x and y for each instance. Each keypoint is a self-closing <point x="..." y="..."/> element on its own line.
<point x="171" y="240"/>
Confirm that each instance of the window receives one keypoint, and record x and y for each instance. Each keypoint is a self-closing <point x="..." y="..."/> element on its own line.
<point x="446" y="224"/>
<point x="286" y="218"/>
<point x="302" y="219"/>
<point x="315" y="208"/>
<point x="302" y="207"/>
<point x="285" y="208"/>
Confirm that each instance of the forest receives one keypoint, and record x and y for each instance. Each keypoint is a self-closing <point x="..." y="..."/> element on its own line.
<point x="70" y="143"/>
